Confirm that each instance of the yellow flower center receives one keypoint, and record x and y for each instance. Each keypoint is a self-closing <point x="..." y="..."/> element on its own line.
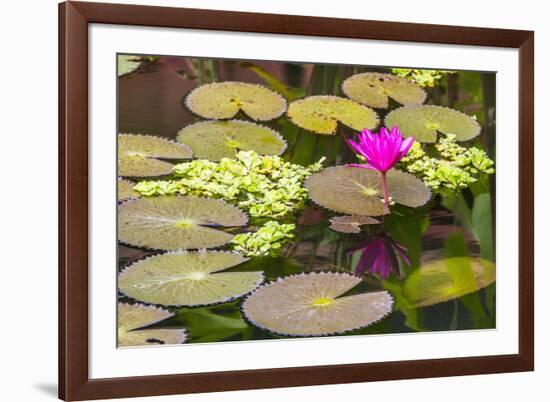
<point x="369" y="191"/>
<point x="196" y="276"/>
<point x="322" y="302"/>
<point x="184" y="223"/>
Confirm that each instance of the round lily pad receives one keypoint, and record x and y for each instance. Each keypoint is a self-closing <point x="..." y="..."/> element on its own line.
<point x="132" y="317"/>
<point x="312" y="305"/>
<point x="358" y="191"/>
<point x="322" y="113"/>
<point x="128" y="64"/>
<point x="187" y="278"/>
<point x="177" y="222"/>
<point x="423" y="122"/>
<point x="125" y="190"/>
<point x="137" y="153"/>
<point x="351" y="223"/>
<point x="374" y="89"/>
<point x="215" y="140"/>
<point x="448" y="279"/>
<point x="223" y="100"/>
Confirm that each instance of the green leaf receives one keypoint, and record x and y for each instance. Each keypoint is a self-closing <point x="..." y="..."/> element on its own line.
<point x="128" y="64"/>
<point x="125" y="190"/>
<point x="482" y="221"/>
<point x="351" y="223"/>
<point x="187" y="278"/>
<point x="275" y="84"/>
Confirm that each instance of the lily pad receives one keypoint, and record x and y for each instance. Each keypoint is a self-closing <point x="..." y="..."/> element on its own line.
<point x="448" y="279"/>
<point x="125" y="190"/>
<point x="177" y="222"/>
<point x="128" y="64"/>
<point x="312" y="305"/>
<point x="132" y="317"/>
<point x="357" y="191"/>
<point x="187" y="278"/>
<point x="423" y="122"/>
<point x="137" y="153"/>
<point x="215" y="140"/>
<point x="223" y="100"/>
<point x="322" y="113"/>
<point x="374" y="89"/>
<point x="351" y="223"/>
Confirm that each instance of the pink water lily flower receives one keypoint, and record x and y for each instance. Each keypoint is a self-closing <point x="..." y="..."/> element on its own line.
<point x="381" y="152"/>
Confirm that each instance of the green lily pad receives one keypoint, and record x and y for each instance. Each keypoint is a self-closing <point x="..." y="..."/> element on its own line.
<point x="448" y="279"/>
<point x="215" y="140"/>
<point x="128" y="64"/>
<point x="137" y="153"/>
<point x="374" y="89"/>
<point x="322" y="113"/>
<point x="312" y="305"/>
<point x="351" y="223"/>
<point x="177" y="222"/>
<point x="187" y="278"/>
<point x="223" y="100"/>
<point x="358" y="191"/>
<point x="423" y="122"/>
<point x="125" y="190"/>
<point x="132" y="317"/>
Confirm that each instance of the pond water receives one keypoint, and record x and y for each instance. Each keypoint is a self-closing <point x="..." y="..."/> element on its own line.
<point x="456" y="226"/>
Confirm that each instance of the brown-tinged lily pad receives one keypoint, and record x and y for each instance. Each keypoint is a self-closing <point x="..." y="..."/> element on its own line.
<point x="312" y="305"/>
<point x="125" y="190"/>
<point x="223" y="100"/>
<point x="357" y="191"/>
<point x="424" y="122"/>
<point x="215" y="140"/>
<point x="321" y="114"/>
<point x="137" y="155"/>
<point x="374" y="89"/>
<point x="177" y="222"/>
<point x="132" y="317"/>
<point x="188" y="278"/>
<point x="351" y="223"/>
<point x="447" y="279"/>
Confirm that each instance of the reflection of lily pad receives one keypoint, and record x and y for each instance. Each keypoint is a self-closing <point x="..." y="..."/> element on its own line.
<point x="374" y="89"/>
<point x="223" y="139"/>
<point x="448" y="279"/>
<point x="351" y="223"/>
<point x="177" y="222"/>
<point x="125" y="190"/>
<point x="137" y="153"/>
<point x="128" y="64"/>
<point x="223" y="100"/>
<point x="131" y="317"/>
<point x="357" y="191"/>
<point x="321" y="114"/>
<point x="187" y="278"/>
<point x="423" y="122"/>
<point x="312" y="305"/>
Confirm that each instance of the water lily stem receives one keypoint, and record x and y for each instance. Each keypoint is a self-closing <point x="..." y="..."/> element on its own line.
<point x="385" y="191"/>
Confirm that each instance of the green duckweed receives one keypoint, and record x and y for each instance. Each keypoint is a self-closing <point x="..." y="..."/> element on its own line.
<point x="266" y="241"/>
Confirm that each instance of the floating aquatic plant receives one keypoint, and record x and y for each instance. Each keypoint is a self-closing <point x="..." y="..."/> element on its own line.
<point x="187" y="278"/>
<point x="268" y="240"/>
<point x="448" y="279"/>
<point x="264" y="186"/>
<point x="132" y="317"/>
<point x="322" y="113"/>
<point x="424" y="78"/>
<point x="424" y="122"/>
<point x="351" y="223"/>
<point x="457" y="168"/>
<point x="358" y="191"/>
<point x="137" y="155"/>
<point x="374" y="89"/>
<point x="215" y="140"/>
<point x="381" y="152"/>
<point x="223" y="100"/>
<point x="177" y="222"/>
<point x="128" y="64"/>
<point x="312" y="305"/>
<point x="380" y="255"/>
<point x="125" y="190"/>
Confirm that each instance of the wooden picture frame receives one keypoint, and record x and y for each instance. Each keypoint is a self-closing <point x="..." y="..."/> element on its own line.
<point x="74" y="381"/>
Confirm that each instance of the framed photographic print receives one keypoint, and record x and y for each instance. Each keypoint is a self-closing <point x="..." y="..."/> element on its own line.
<point x="259" y="201"/>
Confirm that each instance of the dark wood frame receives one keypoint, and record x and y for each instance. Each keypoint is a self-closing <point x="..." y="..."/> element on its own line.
<point x="74" y="17"/>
